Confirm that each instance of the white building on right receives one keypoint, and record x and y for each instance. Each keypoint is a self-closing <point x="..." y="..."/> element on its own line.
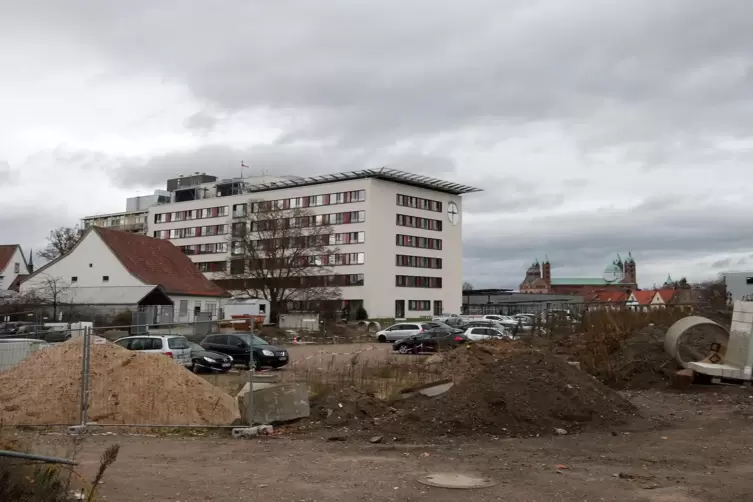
<point x="400" y="233"/>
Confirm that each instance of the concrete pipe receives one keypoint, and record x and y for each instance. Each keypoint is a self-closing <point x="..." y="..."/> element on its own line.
<point x="681" y="327"/>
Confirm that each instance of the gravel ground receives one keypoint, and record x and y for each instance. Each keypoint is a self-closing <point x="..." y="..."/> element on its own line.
<point x="695" y="447"/>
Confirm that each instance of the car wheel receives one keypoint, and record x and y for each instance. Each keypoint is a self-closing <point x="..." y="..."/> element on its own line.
<point x="404" y="349"/>
<point x="257" y="364"/>
<point x="382" y="339"/>
<point x="67" y="337"/>
<point x="193" y="368"/>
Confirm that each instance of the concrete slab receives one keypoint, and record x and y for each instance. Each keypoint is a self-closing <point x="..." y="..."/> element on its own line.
<point x="431" y="389"/>
<point x="257" y="386"/>
<point x="277" y="403"/>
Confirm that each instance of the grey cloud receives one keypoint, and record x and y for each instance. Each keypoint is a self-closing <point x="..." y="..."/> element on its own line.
<point x="8" y="175"/>
<point x="724" y="263"/>
<point x="277" y="159"/>
<point x="581" y="241"/>
<point x="613" y="71"/>
<point x="201" y="122"/>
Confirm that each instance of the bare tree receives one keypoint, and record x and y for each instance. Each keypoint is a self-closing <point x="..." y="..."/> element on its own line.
<point x="467" y="286"/>
<point x="283" y="255"/>
<point x="50" y="291"/>
<point x="60" y="241"/>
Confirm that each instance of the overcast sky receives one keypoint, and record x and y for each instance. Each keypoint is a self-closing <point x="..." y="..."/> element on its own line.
<point x="594" y="127"/>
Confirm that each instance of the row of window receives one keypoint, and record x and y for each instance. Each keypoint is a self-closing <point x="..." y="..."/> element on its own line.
<point x="212" y="266"/>
<point x="415" y="281"/>
<point x="310" y="281"/>
<point x="327" y="199"/>
<point x="309" y="241"/>
<point x="419" y="203"/>
<point x="411" y="241"/>
<point x="311" y="221"/>
<point x="192" y="214"/>
<point x="419" y="305"/>
<point x="402" y="260"/>
<point x="238" y="266"/>
<point x="182" y="233"/>
<point x="403" y="220"/>
<point x="210" y="248"/>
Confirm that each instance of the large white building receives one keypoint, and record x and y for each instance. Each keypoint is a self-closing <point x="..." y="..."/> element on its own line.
<point x="400" y="234"/>
<point x="133" y="219"/>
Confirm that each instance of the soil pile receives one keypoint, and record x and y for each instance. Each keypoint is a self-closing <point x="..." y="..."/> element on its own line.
<point x="348" y="408"/>
<point x="505" y="389"/>
<point x="125" y="388"/>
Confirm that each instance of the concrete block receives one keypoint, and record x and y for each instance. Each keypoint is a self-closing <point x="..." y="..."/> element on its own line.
<point x="249" y="432"/>
<point x="77" y="430"/>
<point x="277" y="403"/>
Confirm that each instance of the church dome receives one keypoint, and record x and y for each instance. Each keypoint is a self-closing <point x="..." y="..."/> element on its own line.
<point x="613" y="273"/>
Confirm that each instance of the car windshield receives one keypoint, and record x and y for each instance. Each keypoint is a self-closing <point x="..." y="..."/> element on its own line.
<point x="177" y="342"/>
<point x="195" y="346"/>
<point x="248" y="337"/>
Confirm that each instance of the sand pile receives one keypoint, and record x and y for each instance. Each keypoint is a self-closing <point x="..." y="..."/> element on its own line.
<point x="125" y="388"/>
<point x="505" y="389"/>
<point x="348" y="407"/>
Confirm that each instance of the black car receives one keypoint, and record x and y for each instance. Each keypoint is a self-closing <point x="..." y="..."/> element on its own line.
<point x="430" y="341"/>
<point x="206" y="360"/>
<point x="238" y="345"/>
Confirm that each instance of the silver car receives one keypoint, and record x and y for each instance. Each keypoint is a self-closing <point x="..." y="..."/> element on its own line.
<point x="403" y="330"/>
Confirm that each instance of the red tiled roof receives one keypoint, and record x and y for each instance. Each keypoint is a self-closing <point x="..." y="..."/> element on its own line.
<point x="644" y="297"/>
<point x="666" y="294"/>
<point x="6" y="253"/>
<point x="156" y="261"/>
<point x="610" y="296"/>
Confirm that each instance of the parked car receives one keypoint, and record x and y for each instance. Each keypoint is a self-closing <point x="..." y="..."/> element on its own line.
<point x="430" y="341"/>
<point x="476" y="334"/>
<point x="238" y="346"/>
<point x="207" y="360"/>
<point x="46" y="333"/>
<point x="173" y="346"/>
<point x="402" y="330"/>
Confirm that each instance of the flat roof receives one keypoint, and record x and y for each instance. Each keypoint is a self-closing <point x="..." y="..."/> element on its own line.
<point x="382" y="173"/>
<point x="109" y="215"/>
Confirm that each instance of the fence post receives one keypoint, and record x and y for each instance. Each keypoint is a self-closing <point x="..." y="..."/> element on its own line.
<point x="251" y="371"/>
<point x="84" y="405"/>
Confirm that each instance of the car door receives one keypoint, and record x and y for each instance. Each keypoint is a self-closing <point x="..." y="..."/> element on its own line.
<point x="398" y="332"/>
<point x="221" y="344"/>
<point x="477" y="334"/>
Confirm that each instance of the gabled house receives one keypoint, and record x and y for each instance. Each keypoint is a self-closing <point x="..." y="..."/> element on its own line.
<point x="13" y="266"/>
<point x="663" y="297"/>
<point x="640" y="300"/>
<point x="115" y="269"/>
<point x="608" y="300"/>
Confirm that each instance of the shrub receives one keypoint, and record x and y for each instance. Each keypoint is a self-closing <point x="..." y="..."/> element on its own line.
<point x="124" y="318"/>
<point x="361" y="314"/>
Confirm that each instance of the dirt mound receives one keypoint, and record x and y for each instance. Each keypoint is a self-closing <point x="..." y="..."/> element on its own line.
<point x="504" y="389"/>
<point x="630" y="361"/>
<point x="348" y="408"/>
<point x="125" y="388"/>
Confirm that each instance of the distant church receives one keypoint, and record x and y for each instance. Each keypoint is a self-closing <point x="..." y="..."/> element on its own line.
<point x="618" y="276"/>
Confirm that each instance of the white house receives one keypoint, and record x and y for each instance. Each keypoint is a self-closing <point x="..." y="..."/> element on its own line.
<point x="13" y="266"/>
<point x="111" y="268"/>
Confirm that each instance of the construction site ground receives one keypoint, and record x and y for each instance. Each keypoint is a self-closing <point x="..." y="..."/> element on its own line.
<point x="694" y="446"/>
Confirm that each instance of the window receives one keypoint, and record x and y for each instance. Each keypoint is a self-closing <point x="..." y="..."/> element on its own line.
<point x="239" y="210"/>
<point x="405" y="220"/>
<point x="419" y="203"/>
<point x="17" y="268"/>
<point x="749" y="280"/>
<point x="211" y="308"/>
<point x="177" y="342"/>
<point x="412" y="281"/>
<point x="438" y="309"/>
<point x="183" y="308"/>
<point x="74" y="279"/>
<point x="412" y="241"/>
<point x="105" y="278"/>
<point x="419" y="305"/>
<point x="418" y="261"/>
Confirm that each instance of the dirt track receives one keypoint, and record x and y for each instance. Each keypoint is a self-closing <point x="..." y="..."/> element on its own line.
<point x="696" y="448"/>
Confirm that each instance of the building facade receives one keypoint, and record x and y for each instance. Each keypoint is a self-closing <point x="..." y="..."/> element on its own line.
<point x="134" y="219"/>
<point x="110" y="267"/>
<point x="618" y="276"/>
<point x="13" y="266"/>
<point x="400" y="235"/>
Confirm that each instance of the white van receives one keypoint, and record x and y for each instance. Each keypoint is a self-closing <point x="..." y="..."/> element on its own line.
<point x="173" y="346"/>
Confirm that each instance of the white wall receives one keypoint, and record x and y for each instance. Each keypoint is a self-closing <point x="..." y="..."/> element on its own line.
<point x="89" y="262"/>
<point x="379" y="291"/>
<point x="191" y="302"/>
<point x="9" y="274"/>
<point x="381" y="213"/>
